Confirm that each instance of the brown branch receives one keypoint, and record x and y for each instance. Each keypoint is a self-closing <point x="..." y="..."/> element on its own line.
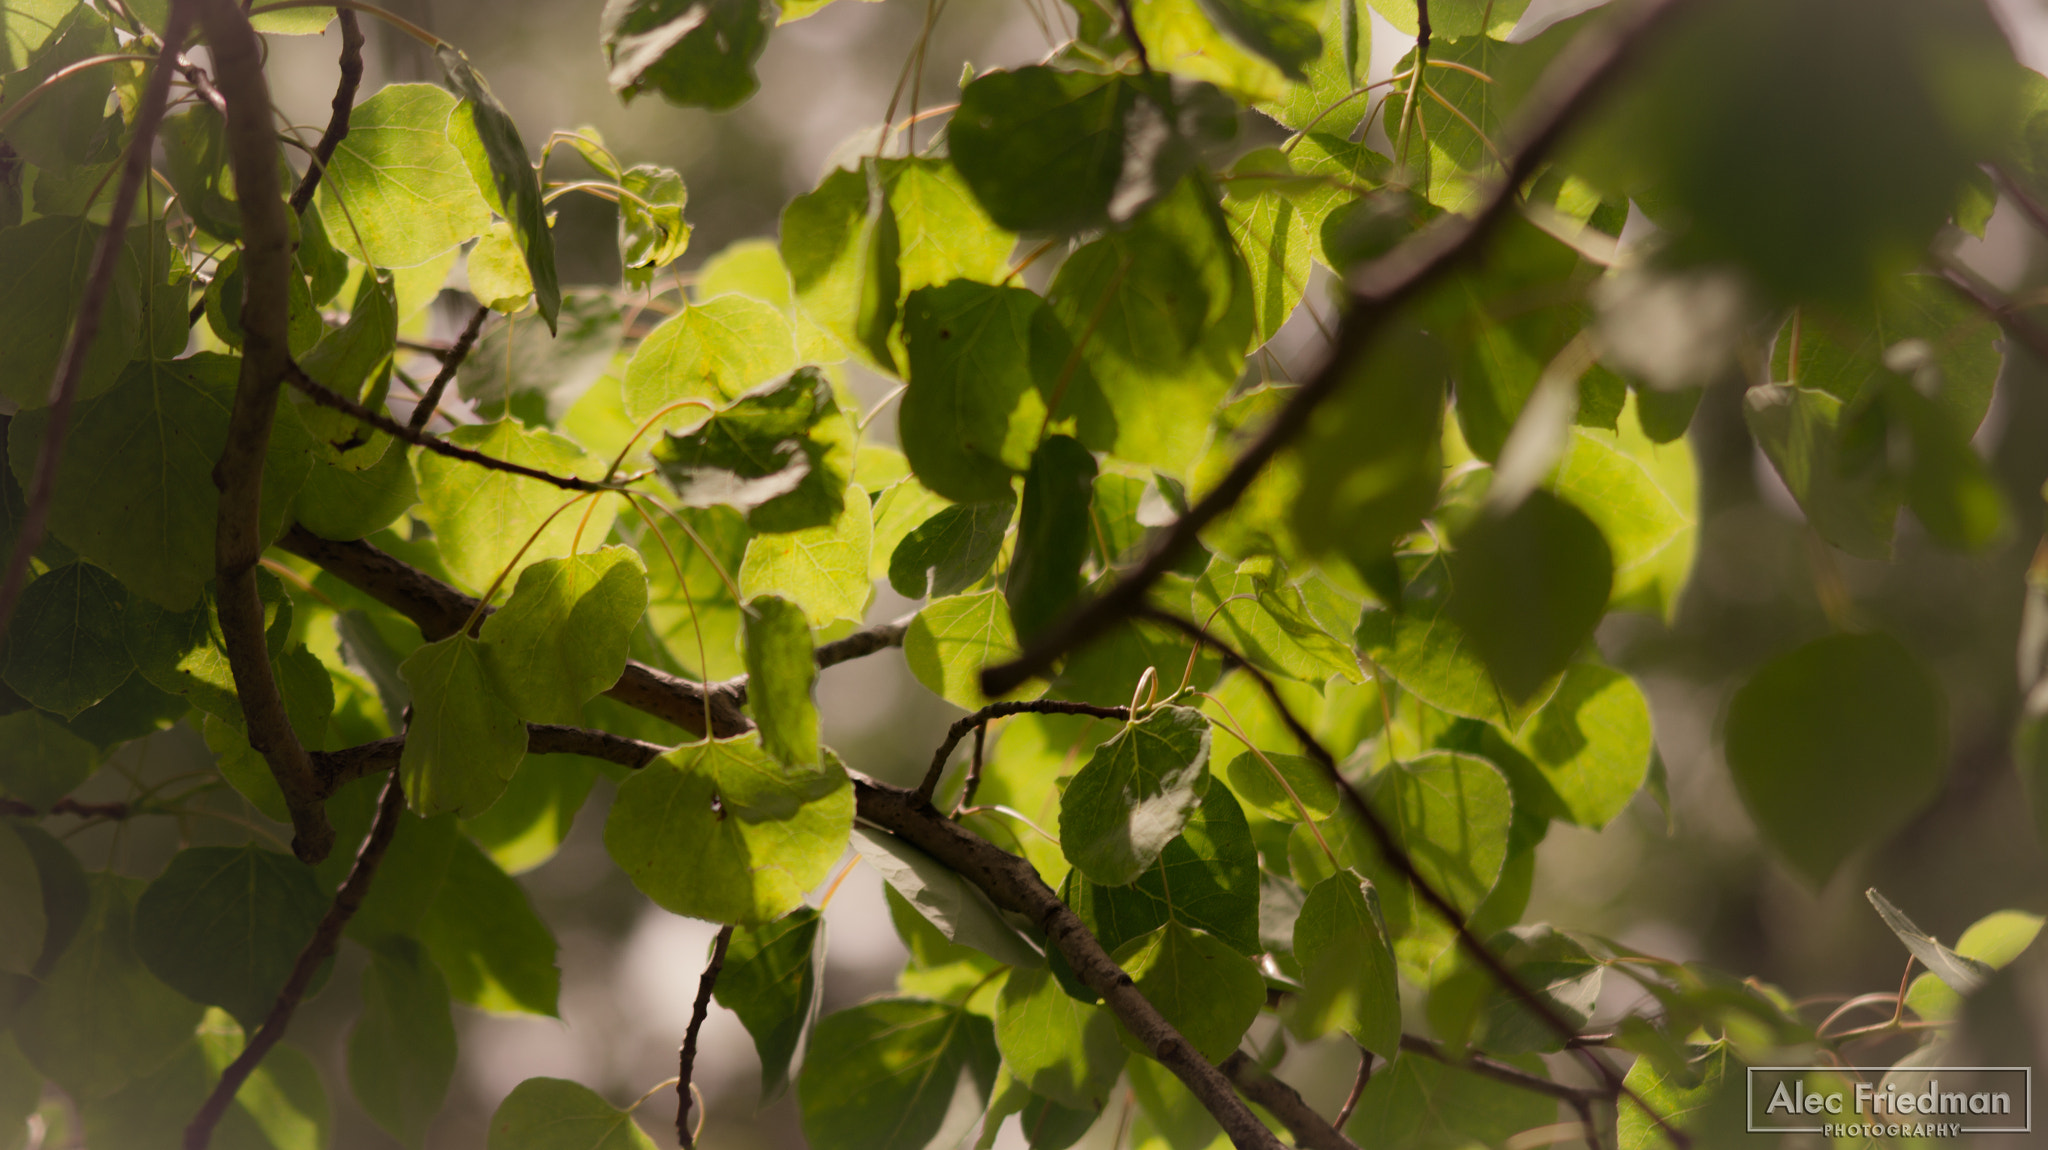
<point x="69" y="806"/>
<point x="1285" y="1103"/>
<point x="106" y="260"/>
<point x="1514" y="1076"/>
<point x="339" y="768"/>
<point x="979" y="719"/>
<point x="424" y="410"/>
<point x="337" y="120"/>
<point x="1580" y="74"/>
<point x="238" y="541"/>
<point x="686" y="1058"/>
<point x="326" y="937"/>
<point x="1996" y="307"/>
<point x="326" y="396"/>
<point x="974" y="765"/>
<point x="1358" y="1086"/>
<point x="1398" y="857"/>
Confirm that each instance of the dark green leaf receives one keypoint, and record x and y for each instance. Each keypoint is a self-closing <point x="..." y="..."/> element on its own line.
<point x="47" y="261"/>
<point x="882" y="1075"/>
<point x="483" y="934"/>
<point x="536" y="376"/>
<point x="338" y="502"/>
<point x="24" y="924"/>
<point x="1063" y="1050"/>
<point x="782" y="454"/>
<point x="1530" y="586"/>
<point x="466" y="736"/>
<point x="1800" y="431"/>
<point x="196" y="161"/>
<point x="65" y="651"/>
<point x="697" y="53"/>
<point x="1348" y="979"/>
<point x="960" y="911"/>
<point x="1835" y="745"/>
<point x="44" y="761"/>
<point x="1409" y="644"/>
<point x="771" y="981"/>
<point x="781" y="674"/>
<point x="556" y="1114"/>
<point x="1206" y="878"/>
<point x="951" y="551"/>
<point x="1842" y="352"/>
<point x="1422" y="1104"/>
<point x="1134" y="795"/>
<point x="1052" y="535"/>
<point x="401" y="1053"/>
<point x="1209" y="992"/>
<point x="483" y="131"/>
<point x="224" y="926"/>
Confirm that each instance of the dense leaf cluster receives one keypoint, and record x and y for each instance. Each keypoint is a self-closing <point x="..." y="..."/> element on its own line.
<point x="1303" y="772"/>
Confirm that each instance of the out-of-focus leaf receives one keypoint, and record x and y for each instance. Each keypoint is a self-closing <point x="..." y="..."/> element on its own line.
<point x="697" y="53"/>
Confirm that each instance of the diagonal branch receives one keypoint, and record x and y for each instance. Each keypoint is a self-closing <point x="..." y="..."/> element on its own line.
<point x="686" y="1058"/>
<point x="344" y="104"/>
<point x="326" y="396"/>
<point x="979" y="719"/>
<point x="106" y="259"/>
<point x="238" y="540"/>
<point x="1582" y="72"/>
<point x="1285" y="1103"/>
<point x="450" y="363"/>
<point x="326" y="937"/>
<point x="337" y="769"/>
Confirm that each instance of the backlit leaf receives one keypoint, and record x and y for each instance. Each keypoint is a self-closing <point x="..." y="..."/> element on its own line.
<point x="781" y="674"/>
<point x="560" y="640"/>
<point x="1347" y="966"/>
<point x="697" y="53"/>
<point x="400" y="181"/>
<point x="771" y="981"/>
<point x="1209" y="992"/>
<point x="882" y="1075"/>
<point x="556" y="1114"/>
<point x="483" y="132"/>
<point x="823" y="569"/>
<point x="952" y="639"/>
<point x="482" y="517"/>
<point x="466" y="736"/>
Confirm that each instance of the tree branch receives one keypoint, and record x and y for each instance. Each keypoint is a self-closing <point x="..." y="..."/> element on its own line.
<point x="1514" y="1076"/>
<point x="1398" y="857"/>
<point x="326" y="396"/>
<point x="344" y="104"/>
<point x="106" y="259"/>
<point x="1285" y="1103"/>
<point x="238" y="541"/>
<point x="1996" y="307"/>
<point x="979" y="719"/>
<point x="424" y="411"/>
<point x="326" y="937"/>
<point x="1581" y="73"/>
<point x="686" y="1058"/>
<point x="337" y="769"/>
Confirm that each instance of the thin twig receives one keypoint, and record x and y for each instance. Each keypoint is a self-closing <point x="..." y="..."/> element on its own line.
<point x="686" y="1058"/>
<point x="1996" y="307"/>
<point x="974" y="764"/>
<point x="266" y="263"/>
<point x="106" y="259"/>
<point x="974" y="722"/>
<point x="337" y="121"/>
<point x="1358" y="1086"/>
<point x="449" y="363"/>
<point x="1499" y="1071"/>
<point x="1581" y="73"/>
<point x="326" y="937"/>
<point x="326" y="396"/>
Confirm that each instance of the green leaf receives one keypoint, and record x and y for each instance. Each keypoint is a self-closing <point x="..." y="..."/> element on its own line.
<point x="135" y="489"/>
<point x="771" y="981"/>
<point x="520" y="369"/>
<point x="1276" y="217"/>
<point x="1182" y="39"/>
<point x="100" y="1019"/>
<point x="66" y="652"/>
<point x="716" y="350"/>
<point x="1994" y="940"/>
<point x="882" y="1075"/>
<point x="1333" y="75"/>
<point x="224" y="309"/>
<point x="1207" y="878"/>
<point x="781" y="674"/>
<point x="985" y="363"/>
<point x="1961" y="973"/>
<point x="1463" y="149"/>
<point x="1059" y="151"/>
<point x="1455" y="18"/>
<point x="560" y="641"/>
<point x="63" y="129"/>
<point x="47" y="262"/>
<point x="1168" y="303"/>
<point x="556" y="1114"/>
<point x="484" y="936"/>
<point x="952" y="639"/>
<point x="1423" y="1104"/>
<point x="942" y="232"/>
<point x="1268" y="622"/>
<point x="401" y="1052"/>
<point x="652" y="233"/>
<point x="29" y="24"/>
<point x="24" y="922"/>
<point x="342" y="503"/>
<point x="673" y="833"/>
<point x="1206" y="990"/>
<point x="1530" y="587"/>
<point x="355" y="360"/>
<point x="695" y="601"/>
<point x="224" y="926"/>
<point x="1841" y="353"/>
<point x="183" y="652"/>
<point x="483" y="131"/>
<point x="400" y="181"/>
<point x="952" y="550"/>
<point x="1835" y="745"/>
<point x="1643" y="497"/>
<point x="1348" y="979"/>
<point x="781" y="454"/>
<point x="196" y="162"/>
<point x="466" y="736"/>
<point x="482" y="517"/>
<point x="497" y="271"/>
<point x="1412" y="646"/>
<point x="1301" y="780"/>
<point x="960" y="912"/>
<point x="1052" y="534"/>
<point x="527" y="824"/>
<point x="841" y="245"/>
<point x="1587" y="752"/>
<point x="1063" y="1050"/>
<point x="1134" y="795"/>
<point x="44" y="760"/>
<point x="1283" y="31"/>
<point x="1800" y="430"/>
<point x="823" y="569"/>
<point x="696" y="53"/>
<point x="1697" y="1102"/>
